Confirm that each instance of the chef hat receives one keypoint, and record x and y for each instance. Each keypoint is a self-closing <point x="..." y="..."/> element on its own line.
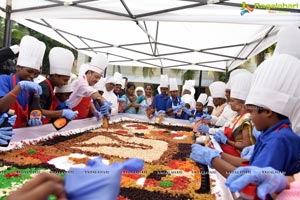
<point x="275" y="84"/>
<point x="98" y="63"/>
<point x="100" y="85"/>
<point x="189" y="85"/>
<point x="240" y="86"/>
<point x="233" y="74"/>
<point x="164" y="81"/>
<point x="295" y="119"/>
<point x="82" y="70"/>
<point x="61" y="61"/>
<point x="217" y="89"/>
<point x="139" y="89"/>
<point x="40" y="78"/>
<point x="31" y="53"/>
<point x="64" y="89"/>
<point x="210" y="101"/>
<point x="118" y="77"/>
<point x="202" y="98"/>
<point x="173" y="84"/>
<point x="288" y="41"/>
<point x="110" y="80"/>
<point x="187" y="98"/>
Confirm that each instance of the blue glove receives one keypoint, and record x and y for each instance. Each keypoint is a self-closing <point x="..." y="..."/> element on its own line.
<point x="192" y="120"/>
<point x="204" y="155"/>
<point x="28" y="85"/>
<point x="3" y="117"/>
<point x="203" y="128"/>
<point x="122" y="99"/>
<point x="6" y="133"/>
<point x="97" y="180"/>
<point x="69" y="114"/>
<point x="268" y="179"/>
<point x="220" y="137"/>
<point x="144" y="105"/>
<point x="104" y="110"/>
<point x="98" y="115"/>
<point x="35" y="122"/>
<point x="68" y="105"/>
<point x="255" y="133"/>
<point x="206" y="117"/>
<point x="187" y="111"/>
<point x="247" y="152"/>
<point x="11" y="120"/>
<point x="161" y="112"/>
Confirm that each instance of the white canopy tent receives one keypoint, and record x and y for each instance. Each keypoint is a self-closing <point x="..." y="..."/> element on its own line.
<point x="184" y="34"/>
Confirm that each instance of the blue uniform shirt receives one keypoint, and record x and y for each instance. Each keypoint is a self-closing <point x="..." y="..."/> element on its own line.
<point x="176" y="102"/>
<point x="7" y="85"/>
<point x="279" y="149"/>
<point x="160" y="103"/>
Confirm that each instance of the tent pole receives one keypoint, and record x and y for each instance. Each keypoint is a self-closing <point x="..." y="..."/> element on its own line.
<point x="8" y="25"/>
<point x="200" y="82"/>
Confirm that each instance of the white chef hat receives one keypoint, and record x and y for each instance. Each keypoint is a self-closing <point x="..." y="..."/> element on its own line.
<point x="61" y="61"/>
<point x="240" y="86"/>
<point x="275" y="84"/>
<point x="210" y="101"/>
<point x="164" y="81"/>
<point x="82" y="70"/>
<point x="118" y="77"/>
<point x="202" y="98"/>
<point x="233" y="74"/>
<point x="100" y="85"/>
<point x="187" y="98"/>
<point x="288" y="41"/>
<point x="98" y="63"/>
<point x="40" y="78"/>
<point x="217" y="89"/>
<point x="189" y="85"/>
<point x="173" y="84"/>
<point x="139" y="89"/>
<point x="64" y="89"/>
<point x="31" y="52"/>
<point x="110" y="80"/>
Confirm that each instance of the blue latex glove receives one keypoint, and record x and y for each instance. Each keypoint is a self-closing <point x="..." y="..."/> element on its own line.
<point x="161" y="112"/>
<point x="203" y="128"/>
<point x="247" y="152"/>
<point x="98" y="115"/>
<point x="2" y="117"/>
<point x="83" y="183"/>
<point x="69" y="114"/>
<point x="106" y="106"/>
<point x="255" y="133"/>
<point x="6" y="133"/>
<point x="206" y="117"/>
<point x="204" y="155"/>
<point x="35" y="122"/>
<point x="68" y="105"/>
<point x="187" y="111"/>
<point x="192" y="120"/>
<point x="122" y="99"/>
<point x="11" y="120"/>
<point x="144" y="105"/>
<point x="268" y="179"/>
<point x="28" y="85"/>
<point x="220" y="137"/>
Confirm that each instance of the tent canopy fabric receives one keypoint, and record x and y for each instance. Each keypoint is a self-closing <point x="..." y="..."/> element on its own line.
<point x="179" y="34"/>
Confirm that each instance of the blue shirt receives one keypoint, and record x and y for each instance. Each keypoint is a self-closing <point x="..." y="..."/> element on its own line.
<point x="160" y="103"/>
<point x="7" y="85"/>
<point x="198" y="114"/>
<point x="176" y="102"/>
<point x="279" y="149"/>
<point x="130" y="110"/>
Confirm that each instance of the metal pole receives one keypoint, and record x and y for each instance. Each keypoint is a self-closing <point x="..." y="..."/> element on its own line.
<point x="200" y="82"/>
<point x="8" y="25"/>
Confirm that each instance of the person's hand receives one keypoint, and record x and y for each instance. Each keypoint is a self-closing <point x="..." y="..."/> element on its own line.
<point x="34" y="122"/>
<point x="40" y="188"/>
<point x="144" y="105"/>
<point x="187" y="111"/>
<point x="11" y="120"/>
<point x="28" y="85"/>
<point x="98" y="115"/>
<point x="203" y="128"/>
<point x="68" y="105"/>
<point x="69" y="114"/>
<point x="6" y="134"/>
<point x="255" y="133"/>
<point x="121" y="99"/>
<point x="220" y="137"/>
<point x="161" y="112"/>
<point x="206" y="117"/>
<point x="268" y="179"/>
<point x="247" y="152"/>
<point x="80" y="184"/>
<point x="104" y="110"/>
<point x="192" y="120"/>
<point x="204" y="155"/>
